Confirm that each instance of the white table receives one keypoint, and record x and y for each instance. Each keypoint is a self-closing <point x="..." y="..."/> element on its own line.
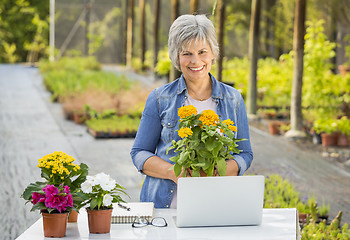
<point x="279" y="223"/>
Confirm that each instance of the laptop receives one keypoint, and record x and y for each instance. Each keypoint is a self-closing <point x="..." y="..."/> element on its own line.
<point x="220" y="201"/>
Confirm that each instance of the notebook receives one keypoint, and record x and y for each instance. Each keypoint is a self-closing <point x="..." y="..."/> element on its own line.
<point x="220" y="201"/>
<point x="127" y="212"/>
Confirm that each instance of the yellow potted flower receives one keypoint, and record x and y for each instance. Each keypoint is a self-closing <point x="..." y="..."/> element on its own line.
<point x="207" y="142"/>
<point x="58" y="170"/>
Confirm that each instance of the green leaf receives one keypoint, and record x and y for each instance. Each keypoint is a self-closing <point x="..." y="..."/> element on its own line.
<point x="175" y="158"/>
<point x="33" y="187"/>
<point x="204" y="153"/>
<point x="222" y="166"/>
<point x="195" y="172"/>
<point x="177" y="169"/>
<point x="230" y="134"/>
<point x="169" y="148"/>
<point x="218" y="147"/>
<point x="210" y="170"/>
<point x="93" y="204"/>
<point x="183" y="157"/>
<point x="38" y="206"/>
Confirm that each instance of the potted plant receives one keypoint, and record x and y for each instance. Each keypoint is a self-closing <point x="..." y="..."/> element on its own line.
<point x="99" y="193"/>
<point x="58" y="169"/>
<point x="344" y="128"/>
<point x="54" y="204"/>
<point x="327" y="127"/>
<point x="345" y="68"/>
<point x="206" y="143"/>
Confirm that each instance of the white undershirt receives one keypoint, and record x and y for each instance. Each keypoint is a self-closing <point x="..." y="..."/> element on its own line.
<point x="200" y="105"/>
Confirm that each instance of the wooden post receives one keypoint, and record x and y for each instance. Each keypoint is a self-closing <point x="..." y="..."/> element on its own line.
<point x="174" y="73"/>
<point x="253" y="58"/>
<point x="88" y="6"/>
<point x="129" y="33"/>
<point x="220" y="34"/>
<point x="296" y="116"/>
<point x="52" y="30"/>
<point x="142" y="32"/>
<point x="155" y="32"/>
<point x="194" y="6"/>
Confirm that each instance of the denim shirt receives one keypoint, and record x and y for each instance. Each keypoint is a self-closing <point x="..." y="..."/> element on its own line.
<point x="157" y="130"/>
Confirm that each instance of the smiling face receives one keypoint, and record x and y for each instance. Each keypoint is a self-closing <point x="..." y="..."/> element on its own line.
<point x="196" y="60"/>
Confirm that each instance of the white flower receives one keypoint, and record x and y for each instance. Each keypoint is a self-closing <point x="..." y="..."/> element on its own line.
<point x="91" y="180"/>
<point x="105" y="181"/>
<point x="86" y="187"/>
<point x="107" y="200"/>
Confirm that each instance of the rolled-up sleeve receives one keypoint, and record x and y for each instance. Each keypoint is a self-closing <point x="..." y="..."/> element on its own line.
<point x="245" y="157"/>
<point x="148" y="133"/>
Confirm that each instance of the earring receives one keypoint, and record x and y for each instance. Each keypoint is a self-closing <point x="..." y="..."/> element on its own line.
<point x="213" y="61"/>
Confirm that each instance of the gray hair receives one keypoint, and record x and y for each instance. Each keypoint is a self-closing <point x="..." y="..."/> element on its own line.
<point x="187" y="28"/>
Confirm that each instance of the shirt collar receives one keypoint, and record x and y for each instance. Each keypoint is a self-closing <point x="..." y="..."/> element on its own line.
<point x="216" y="91"/>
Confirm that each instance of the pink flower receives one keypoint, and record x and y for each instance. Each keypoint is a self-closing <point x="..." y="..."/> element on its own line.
<point x="37" y="197"/>
<point x="66" y="189"/>
<point x="50" y="190"/>
<point x="56" y="200"/>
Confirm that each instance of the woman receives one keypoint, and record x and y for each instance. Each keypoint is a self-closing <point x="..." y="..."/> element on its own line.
<point x="192" y="49"/>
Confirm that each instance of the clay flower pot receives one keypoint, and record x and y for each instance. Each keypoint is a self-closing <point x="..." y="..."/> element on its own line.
<point x="343" y="140"/>
<point x="329" y="139"/>
<point x="274" y="128"/>
<point x="55" y="224"/>
<point x="99" y="220"/>
<point x="73" y="216"/>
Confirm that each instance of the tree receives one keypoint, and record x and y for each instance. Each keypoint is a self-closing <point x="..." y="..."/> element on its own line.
<point x="142" y="32"/>
<point x="298" y="48"/>
<point x="129" y="33"/>
<point x="194" y="6"/>
<point x="155" y="32"/>
<point x="221" y="5"/>
<point x="174" y="73"/>
<point x="253" y="58"/>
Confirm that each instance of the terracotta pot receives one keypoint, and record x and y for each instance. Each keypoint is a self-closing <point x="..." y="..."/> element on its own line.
<point x="99" y="220"/>
<point x="343" y="140"/>
<point x="303" y="217"/>
<point x="73" y="216"/>
<point x="274" y="128"/>
<point x="55" y="224"/>
<point x="329" y="139"/>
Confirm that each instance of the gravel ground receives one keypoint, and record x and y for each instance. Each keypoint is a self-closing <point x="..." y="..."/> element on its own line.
<point x="31" y="127"/>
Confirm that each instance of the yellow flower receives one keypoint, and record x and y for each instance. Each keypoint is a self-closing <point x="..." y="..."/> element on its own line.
<point x="186" y="111"/>
<point x="232" y="128"/>
<point x="185" y="132"/>
<point x="209" y="118"/>
<point x="228" y="122"/>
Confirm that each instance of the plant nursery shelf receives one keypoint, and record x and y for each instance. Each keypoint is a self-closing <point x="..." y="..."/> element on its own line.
<point x="97" y="134"/>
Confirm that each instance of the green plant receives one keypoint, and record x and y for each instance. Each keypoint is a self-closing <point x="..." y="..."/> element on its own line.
<point x="347" y="49"/>
<point x="320" y="231"/>
<point x="344" y="125"/>
<point x="325" y="126"/>
<point x="101" y="191"/>
<point x="123" y="124"/>
<point x="202" y="147"/>
<point x="52" y="199"/>
<point x="58" y="170"/>
<point x="279" y="193"/>
<point x="164" y="63"/>
<point x="324" y="209"/>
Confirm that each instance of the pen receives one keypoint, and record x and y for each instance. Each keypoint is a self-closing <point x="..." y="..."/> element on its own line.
<point x="125" y="207"/>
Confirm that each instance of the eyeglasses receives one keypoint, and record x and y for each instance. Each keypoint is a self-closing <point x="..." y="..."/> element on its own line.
<point x="142" y="222"/>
